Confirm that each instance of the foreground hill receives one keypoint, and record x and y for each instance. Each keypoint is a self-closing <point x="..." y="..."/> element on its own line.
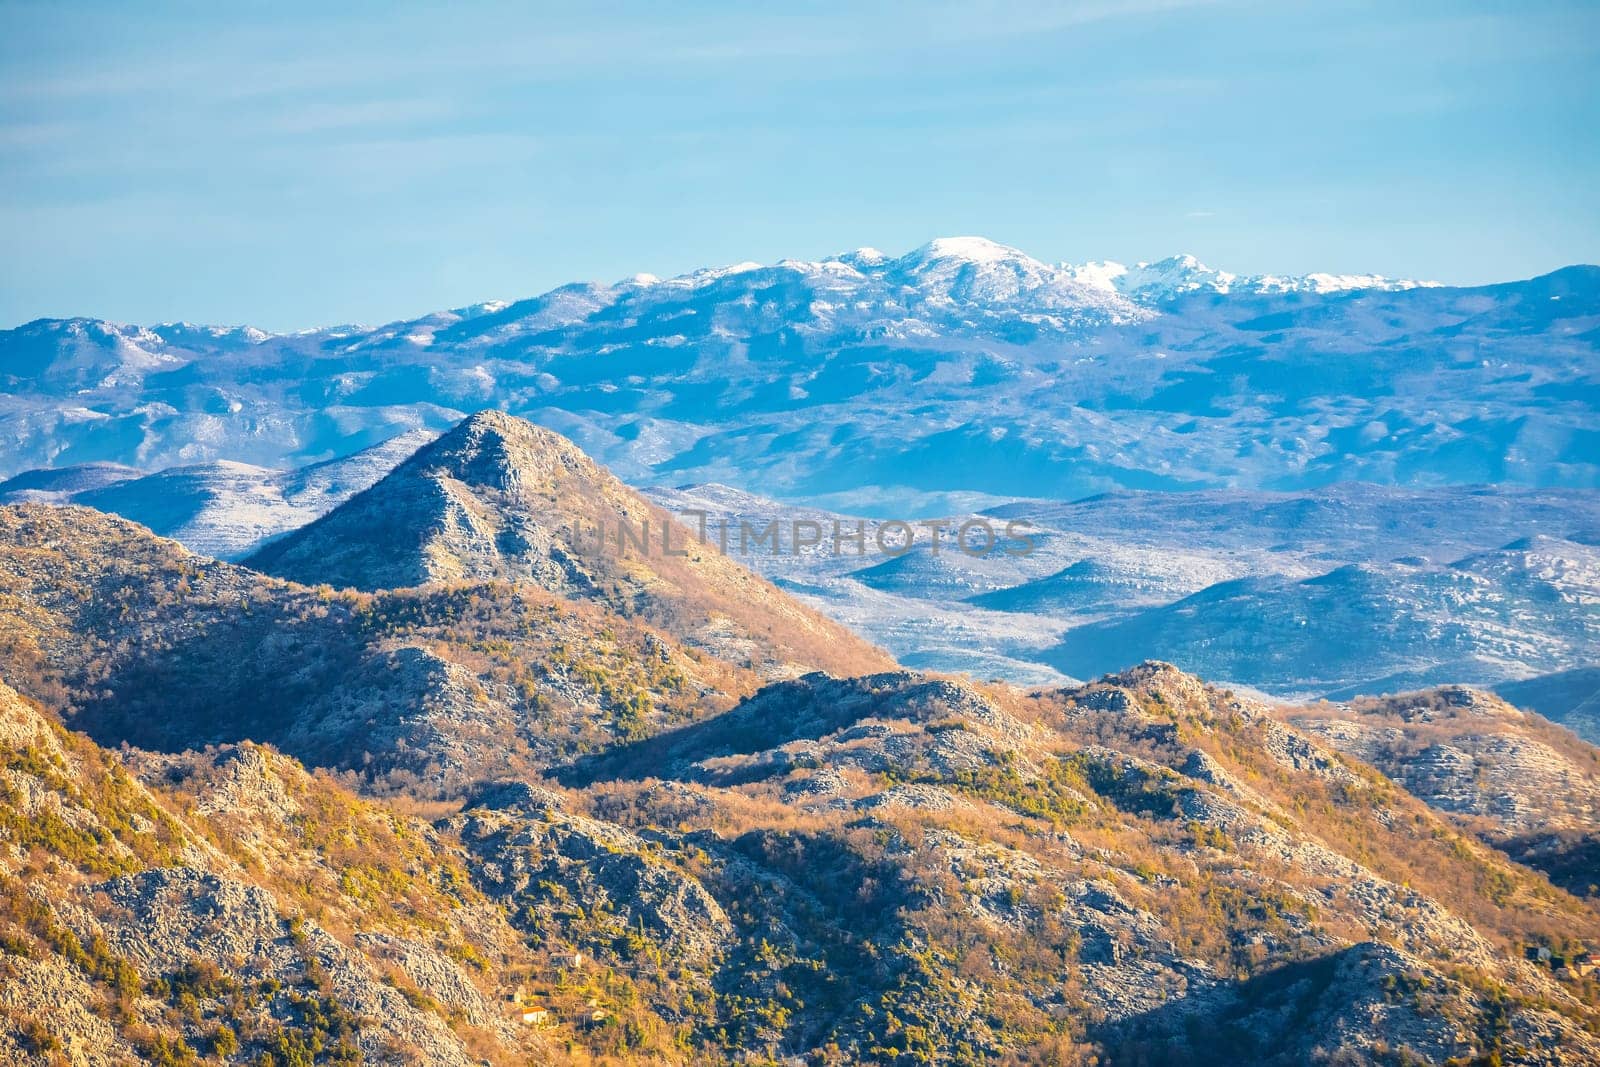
<point x="498" y="498"/>
<point x="226" y="921"/>
<point x="882" y="869"/>
<point x="1118" y="840"/>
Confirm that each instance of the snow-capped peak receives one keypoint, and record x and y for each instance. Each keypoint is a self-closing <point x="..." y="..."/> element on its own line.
<point x="711" y="274"/>
<point x="980" y="267"/>
<point x="485" y="307"/>
<point x="969" y="249"/>
<point x="1174" y="276"/>
<point x="1166" y="277"/>
<point x="977" y="270"/>
<point x="1102" y="274"/>
<point x="862" y="257"/>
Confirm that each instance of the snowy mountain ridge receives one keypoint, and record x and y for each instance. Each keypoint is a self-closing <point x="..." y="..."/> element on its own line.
<point x="957" y="269"/>
<point x="1175" y="275"/>
<point x="963" y="366"/>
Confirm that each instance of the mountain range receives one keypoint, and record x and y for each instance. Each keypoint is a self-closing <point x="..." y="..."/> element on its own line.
<point x="464" y="691"/>
<point x="522" y="809"/>
<point x="1166" y="428"/>
<point x="961" y="369"/>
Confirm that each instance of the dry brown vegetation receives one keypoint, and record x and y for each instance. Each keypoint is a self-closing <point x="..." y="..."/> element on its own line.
<point x="895" y="868"/>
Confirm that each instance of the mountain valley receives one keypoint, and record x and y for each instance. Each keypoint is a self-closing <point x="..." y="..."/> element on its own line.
<point x="1478" y="584"/>
<point x="497" y="793"/>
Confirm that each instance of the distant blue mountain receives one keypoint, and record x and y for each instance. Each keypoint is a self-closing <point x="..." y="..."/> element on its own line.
<point x="962" y="366"/>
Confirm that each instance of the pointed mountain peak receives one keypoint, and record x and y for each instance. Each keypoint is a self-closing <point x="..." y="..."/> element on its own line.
<point x="494" y="449"/>
<point x="492" y="427"/>
<point x="497" y="498"/>
<point x="490" y="419"/>
<point x="460" y="508"/>
<point x="1162" y="279"/>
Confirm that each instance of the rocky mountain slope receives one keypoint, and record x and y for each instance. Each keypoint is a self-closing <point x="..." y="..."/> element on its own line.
<point x="1530" y="788"/>
<point x="962" y="366"/>
<point x="866" y="870"/>
<point x="135" y="926"/>
<point x="498" y="498"/>
<point x="1169" y="758"/>
<point x="425" y="688"/>
<point x="520" y="809"/>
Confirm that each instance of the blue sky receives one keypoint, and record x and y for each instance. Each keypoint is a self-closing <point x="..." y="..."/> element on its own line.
<point x="290" y="165"/>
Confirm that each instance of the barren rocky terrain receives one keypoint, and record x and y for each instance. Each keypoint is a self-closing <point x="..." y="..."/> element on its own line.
<point x="502" y="797"/>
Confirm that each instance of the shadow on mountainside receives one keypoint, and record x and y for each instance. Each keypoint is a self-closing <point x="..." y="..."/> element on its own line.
<point x="337" y="683"/>
<point x="1298" y="1013"/>
<point x="806" y="708"/>
<point x="239" y="676"/>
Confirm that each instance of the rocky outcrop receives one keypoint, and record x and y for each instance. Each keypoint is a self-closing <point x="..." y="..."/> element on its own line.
<point x="547" y="866"/>
<point x="132" y="928"/>
<point x="1366" y="1003"/>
